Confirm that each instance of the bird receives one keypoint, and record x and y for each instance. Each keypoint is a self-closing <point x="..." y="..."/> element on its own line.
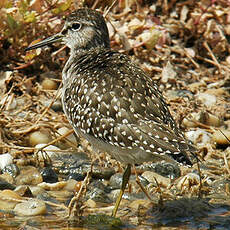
<point x="111" y="102"/>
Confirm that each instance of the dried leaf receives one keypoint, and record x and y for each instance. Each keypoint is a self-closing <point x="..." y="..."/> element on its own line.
<point x="11" y="22"/>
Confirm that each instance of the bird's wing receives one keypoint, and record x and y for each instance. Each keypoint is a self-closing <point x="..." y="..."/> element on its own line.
<point x="118" y="104"/>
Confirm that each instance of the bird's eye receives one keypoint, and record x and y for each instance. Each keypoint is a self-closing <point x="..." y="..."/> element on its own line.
<point x="76" y="26"/>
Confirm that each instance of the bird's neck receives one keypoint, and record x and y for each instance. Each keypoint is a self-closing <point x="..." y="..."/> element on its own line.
<point x="79" y="60"/>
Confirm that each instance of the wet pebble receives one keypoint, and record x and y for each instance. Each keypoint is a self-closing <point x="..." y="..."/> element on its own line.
<point x="39" y="137"/>
<point x="49" y="175"/>
<point x="98" y="195"/>
<point x="209" y="119"/>
<point x="216" y="92"/>
<point x="99" y="184"/>
<point x="116" y="180"/>
<point x="53" y="186"/>
<point x="36" y="190"/>
<point x="207" y="99"/>
<point x="196" y="86"/>
<point x="5" y="159"/>
<point x="75" y="162"/>
<point x="98" y="192"/>
<point x="152" y="177"/>
<point x="6" y="185"/>
<point x="202" y="117"/>
<point x="7" y="177"/>
<point x="136" y="204"/>
<point x="9" y="102"/>
<point x="29" y="176"/>
<point x="65" y="130"/>
<point x="48" y="196"/>
<point x="131" y="196"/>
<point x="49" y="84"/>
<point x="174" y="94"/>
<point x="221" y="137"/>
<point x="163" y="168"/>
<point x="59" y="196"/>
<point x="11" y="169"/>
<point x="190" y="121"/>
<point x="76" y="176"/>
<point x="50" y="150"/>
<point x="90" y="203"/>
<point x="199" y="136"/>
<point x="189" y="180"/>
<point x="31" y="207"/>
<point x="9" y="199"/>
<point x="70" y="185"/>
<point x="56" y="106"/>
<point x="24" y="191"/>
<point x="102" y="173"/>
<point x="167" y="170"/>
<point x="168" y="73"/>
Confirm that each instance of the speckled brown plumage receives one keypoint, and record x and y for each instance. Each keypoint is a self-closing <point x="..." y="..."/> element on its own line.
<point x="111" y="102"/>
<point x="114" y="101"/>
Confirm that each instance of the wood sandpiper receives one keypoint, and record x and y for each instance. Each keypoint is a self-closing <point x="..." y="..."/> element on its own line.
<point x="112" y="102"/>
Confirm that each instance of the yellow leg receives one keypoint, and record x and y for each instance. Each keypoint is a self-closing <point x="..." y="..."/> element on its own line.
<point x="125" y="180"/>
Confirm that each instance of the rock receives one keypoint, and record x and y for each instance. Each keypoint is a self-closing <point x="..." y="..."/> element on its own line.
<point x="190" y="121"/>
<point x="6" y="185"/>
<point x="31" y="207"/>
<point x="164" y="169"/>
<point x="49" y="84"/>
<point x="9" y="199"/>
<point x="29" y="176"/>
<point x="49" y="175"/>
<point x="188" y="181"/>
<point x="39" y="137"/>
<point x="56" y="105"/>
<point x="98" y="192"/>
<point x="116" y="180"/>
<point x="98" y="195"/>
<point x="207" y="99"/>
<point x="36" y="190"/>
<point x="9" y="102"/>
<point x="5" y="159"/>
<point x="11" y="169"/>
<point x="54" y="186"/>
<point x="175" y="94"/>
<point x="71" y="137"/>
<point x="73" y="162"/>
<point x="135" y="205"/>
<point x="70" y="185"/>
<point x="102" y="172"/>
<point x="91" y="203"/>
<point x="168" y="72"/>
<point x="209" y="119"/>
<point x="198" y="136"/>
<point x="50" y="150"/>
<point x="151" y="176"/>
<point x="7" y="177"/>
<point x="196" y="86"/>
<point x="221" y="137"/>
<point x="202" y="117"/>
<point x="24" y="191"/>
<point x="76" y="176"/>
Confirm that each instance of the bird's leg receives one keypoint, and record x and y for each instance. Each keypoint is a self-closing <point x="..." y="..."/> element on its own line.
<point x="125" y="180"/>
<point x="141" y="186"/>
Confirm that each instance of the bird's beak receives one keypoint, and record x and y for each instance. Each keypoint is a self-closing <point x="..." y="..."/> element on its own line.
<point x="47" y="41"/>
